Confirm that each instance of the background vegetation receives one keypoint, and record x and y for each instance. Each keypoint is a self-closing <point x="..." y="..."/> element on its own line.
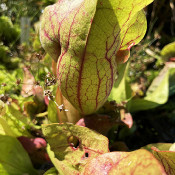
<point x="24" y="65"/>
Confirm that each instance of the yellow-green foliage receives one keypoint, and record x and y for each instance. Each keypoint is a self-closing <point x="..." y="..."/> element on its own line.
<point x="6" y="60"/>
<point x="4" y="51"/>
<point x="8" y="31"/>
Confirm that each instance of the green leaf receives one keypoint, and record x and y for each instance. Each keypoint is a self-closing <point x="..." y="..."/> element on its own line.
<point x="14" y="110"/>
<point x="14" y="123"/>
<point x="52" y="112"/>
<point x="168" y="51"/>
<point x="167" y="158"/>
<point x="71" y="146"/>
<point x="51" y="171"/>
<point x="121" y="90"/>
<point x="8" y="31"/>
<point x="136" y="162"/>
<point x="165" y="153"/>
<point x="13" y="158"/>
<point x="169" y="71"/>
<point x="89" y="34"/>
<point x="157" y="94"/>
<point x="172" y="79"/>
<point x="172" y="148"/>
<point x="160" y="146"/>
<point x="5" y="128"/>
<point x="2" y="108"/>
<point x="9" y="79"/>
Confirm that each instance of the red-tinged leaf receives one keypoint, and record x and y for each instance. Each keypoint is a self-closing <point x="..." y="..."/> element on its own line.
<point x="72" y="146"/>
<point x="139" y="162"/>
<point x="122" y="56"/>
<point x="128" y="120"/>
<point x="167" y="158"/>
<point x="28" y="83"/>
<point x="46" y="100"/>
<point x="38" y="93"/>
<point x="172" y="59"/>
<point x="90" y="33"/>
<point x="32" y="144"/>
<point x="36" y="148"/>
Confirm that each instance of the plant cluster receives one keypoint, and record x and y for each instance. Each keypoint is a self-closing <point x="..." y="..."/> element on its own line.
<point x="94" y="103"/>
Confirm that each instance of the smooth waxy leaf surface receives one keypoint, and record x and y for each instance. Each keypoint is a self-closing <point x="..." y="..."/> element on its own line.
<point x="13" y="158"/>
<point x="71" y="146"/>
<point x="137" y="163"/>
<point x="90" y="33"/>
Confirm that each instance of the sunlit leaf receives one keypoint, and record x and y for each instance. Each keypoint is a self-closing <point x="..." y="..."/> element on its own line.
<point x="5" y="128"/>
<point x="157" y="94"/>
<point x="172" y="148"/>
<point x="52" y="112"/>
<point x="160" y="146"/>
<point x="17" y="122"/>
<point x="121" y="90"/>
<point x="165" y="153"/>
<point x="13" y="158"/>
<point x="139" y="162"/>
<point x="51" y="171"/>
<point x="167" y="158"/>
<point x="168" y="51"/>
<point x="85" y="36"/>
<point x="71" y="146"/>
